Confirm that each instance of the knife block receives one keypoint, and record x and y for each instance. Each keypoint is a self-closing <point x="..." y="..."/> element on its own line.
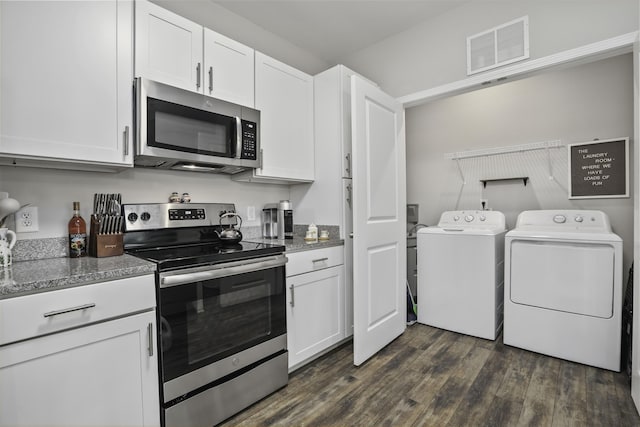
<point x="104" y="245"/>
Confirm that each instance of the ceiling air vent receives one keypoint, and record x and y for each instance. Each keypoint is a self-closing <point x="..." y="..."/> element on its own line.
<point x="501" y="45"/>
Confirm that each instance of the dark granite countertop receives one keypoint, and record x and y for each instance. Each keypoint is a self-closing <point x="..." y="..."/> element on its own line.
<point x="28" y="277"/>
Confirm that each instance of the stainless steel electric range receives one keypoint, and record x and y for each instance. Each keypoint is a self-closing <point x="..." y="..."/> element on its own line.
<point x="221" y="310"/>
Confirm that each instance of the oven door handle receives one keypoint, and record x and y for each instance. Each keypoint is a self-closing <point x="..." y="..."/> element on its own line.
<point x="221" y="270"/>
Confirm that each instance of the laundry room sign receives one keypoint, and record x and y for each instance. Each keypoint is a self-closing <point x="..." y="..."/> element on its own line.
<point x="599" y="169"/>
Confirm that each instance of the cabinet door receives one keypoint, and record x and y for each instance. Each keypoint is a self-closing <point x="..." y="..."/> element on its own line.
<point x="315" y="313"/>
<point x="168" y="48"/>
<point x="100" y="375"/>
<point x="284" y="97"/>
<point x="65" y="86"/>
<point x="228" y="67"/>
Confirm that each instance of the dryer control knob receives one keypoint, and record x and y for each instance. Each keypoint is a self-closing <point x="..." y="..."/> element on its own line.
<point x="559" y="219"/>
<point x="483" y="218"/>
<point x="468" y="218"/>
<point x="578" y="218"/>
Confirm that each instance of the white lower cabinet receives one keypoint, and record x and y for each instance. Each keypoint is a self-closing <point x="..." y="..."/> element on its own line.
<point x="101" y="374"/>
<point x="315" y="304"/>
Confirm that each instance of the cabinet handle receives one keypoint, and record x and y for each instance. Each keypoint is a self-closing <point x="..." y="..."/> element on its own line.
<point x="150" y="338"/>
<point x="69" y="310"/>
<point x="320" y="260"/>
<point x="210" y="79"/>
<point x="292" y="296"/>
<point x="126" y="140"/>
<point x="198" y="76"/>
<point x="347" y="168"/>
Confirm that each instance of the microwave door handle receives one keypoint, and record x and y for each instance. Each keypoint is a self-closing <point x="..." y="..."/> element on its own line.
<point x="238" y="137"/>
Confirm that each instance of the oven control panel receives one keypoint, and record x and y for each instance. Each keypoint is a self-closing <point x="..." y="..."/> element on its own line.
<point x="186" y="214"/>
<point x="155" y="216"/>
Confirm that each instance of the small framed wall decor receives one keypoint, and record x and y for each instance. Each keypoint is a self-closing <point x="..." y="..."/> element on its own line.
<point x="599" y="169"/>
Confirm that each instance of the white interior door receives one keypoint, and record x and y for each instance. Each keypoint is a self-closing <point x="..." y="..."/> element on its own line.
<point x="379" y="219"/>
<point x="635" y="362"/>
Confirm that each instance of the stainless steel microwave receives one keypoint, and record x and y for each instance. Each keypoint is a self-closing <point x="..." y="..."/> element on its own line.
<point x="182" y="130"/>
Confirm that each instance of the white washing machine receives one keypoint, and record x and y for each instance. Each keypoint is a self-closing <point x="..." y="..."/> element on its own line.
<point x="460" y="273"/>
<point x="563" y="286"/>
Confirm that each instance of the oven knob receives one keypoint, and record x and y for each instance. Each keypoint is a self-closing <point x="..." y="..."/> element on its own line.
<point x="145" y="216"/>
<point x="132" y="217"/>
<point x="235" y="361"/>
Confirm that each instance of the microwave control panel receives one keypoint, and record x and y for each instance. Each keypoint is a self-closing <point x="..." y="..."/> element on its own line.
<point x="249" y="147"/>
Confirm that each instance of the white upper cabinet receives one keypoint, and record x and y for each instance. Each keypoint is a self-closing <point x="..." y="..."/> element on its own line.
<point x="65" y="88"/>
<point x="176" y="51"/>
<point x="284" y="96"/>
<point x="228" y="69"/>
<point x="168" y="47"/>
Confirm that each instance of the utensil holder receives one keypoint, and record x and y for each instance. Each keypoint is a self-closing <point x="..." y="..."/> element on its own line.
<point x="104" y="245"/>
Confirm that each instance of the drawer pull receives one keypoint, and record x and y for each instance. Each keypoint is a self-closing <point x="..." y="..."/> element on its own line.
<point x="69" y="310"/>
<point x="320" y="260"/>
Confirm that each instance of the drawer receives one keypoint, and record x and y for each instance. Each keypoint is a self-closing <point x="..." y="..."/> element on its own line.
<point x="33" y="315"/>
<point x="315" y="259"/>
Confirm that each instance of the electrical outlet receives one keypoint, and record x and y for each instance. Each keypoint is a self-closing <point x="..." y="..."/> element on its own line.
<point x="27" y="219"/>
<point x="251" y="213"/>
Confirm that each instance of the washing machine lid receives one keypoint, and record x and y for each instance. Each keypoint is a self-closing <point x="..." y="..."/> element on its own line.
<point x="461" y="231"/>
<point x="478" y="222"/>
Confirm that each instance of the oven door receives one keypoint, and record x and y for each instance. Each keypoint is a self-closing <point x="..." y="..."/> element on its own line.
<point x="220" y="319"/>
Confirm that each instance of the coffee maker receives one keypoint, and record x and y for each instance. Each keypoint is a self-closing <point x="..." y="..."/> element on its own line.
<point x="285" y="220"/>
<point x="277" y="220"/>
<point x="270" y="221"/>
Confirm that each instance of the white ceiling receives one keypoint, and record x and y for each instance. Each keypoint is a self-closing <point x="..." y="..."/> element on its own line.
<point x="332" y="29"/>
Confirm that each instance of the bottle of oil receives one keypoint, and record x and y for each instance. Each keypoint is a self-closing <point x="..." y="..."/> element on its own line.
<point x="77" y="234"/>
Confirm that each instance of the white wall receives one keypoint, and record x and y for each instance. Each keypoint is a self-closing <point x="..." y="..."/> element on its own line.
<point x="217" y="18"/>
<point x="434" y="53"/>
<point x="53" y="191"/>
<point x="573" y="105"/>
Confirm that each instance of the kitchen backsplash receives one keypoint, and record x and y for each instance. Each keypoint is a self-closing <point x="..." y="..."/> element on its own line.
<point x="57" y="247"/>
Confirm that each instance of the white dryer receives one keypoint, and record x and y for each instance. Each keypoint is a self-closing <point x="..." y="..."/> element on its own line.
<point x="460" y="273"/>
<point x="563" y="286"/>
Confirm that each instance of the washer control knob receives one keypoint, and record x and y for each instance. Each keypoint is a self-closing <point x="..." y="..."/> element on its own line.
<point x="468" y="218"/>
<point x="559" y="219"/>
<point x="456" y="218"/>
<point x="483" y="218"/>
<point x="578" y="218"/>
<point x="145" y="216"/>
<point x="132" y="217"/>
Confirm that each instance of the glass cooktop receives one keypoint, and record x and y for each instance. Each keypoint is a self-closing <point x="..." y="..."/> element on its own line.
<point x="193" y="255"/>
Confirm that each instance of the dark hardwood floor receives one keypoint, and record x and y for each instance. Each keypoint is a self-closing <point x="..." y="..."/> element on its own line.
<point x="432" y="377"/>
